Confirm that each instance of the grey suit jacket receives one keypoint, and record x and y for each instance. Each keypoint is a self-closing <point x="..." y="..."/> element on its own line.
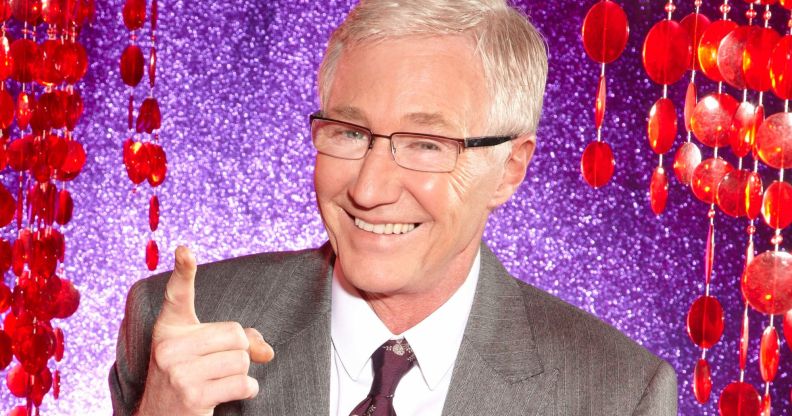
<point x="524" y="352"/>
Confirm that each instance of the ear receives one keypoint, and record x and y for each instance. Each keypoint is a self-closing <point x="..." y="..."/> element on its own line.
<point x="514" y="169"/>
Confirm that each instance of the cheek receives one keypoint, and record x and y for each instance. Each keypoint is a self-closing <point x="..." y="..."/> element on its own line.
<point x="330" y="178"/>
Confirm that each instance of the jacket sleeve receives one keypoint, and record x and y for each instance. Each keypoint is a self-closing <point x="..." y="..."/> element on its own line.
<point x="660" y="396"/>
<point x="128" y="374"/>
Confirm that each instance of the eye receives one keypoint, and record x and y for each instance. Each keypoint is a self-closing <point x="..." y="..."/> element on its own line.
<point x="353" y="135"/>
<point x="425" y="145"/>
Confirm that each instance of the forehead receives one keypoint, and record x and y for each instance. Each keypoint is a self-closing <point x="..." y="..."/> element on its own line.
<point x="437" y="79"/>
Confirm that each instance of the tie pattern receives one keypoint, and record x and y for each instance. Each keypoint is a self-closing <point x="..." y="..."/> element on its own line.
<point x="390" y="361"/>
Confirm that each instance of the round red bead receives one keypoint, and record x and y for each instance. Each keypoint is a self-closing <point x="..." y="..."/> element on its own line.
<point x="666" y="52"/>
<point x="707" y="176"/>
<point x="767" y="282"/>
<point x="705" y="321"/>
<point x="756" y="60"/>
<point x="739" y="399"/>
<point x="777" y="205"/>
<point x="708" y="47"/>
<point x="774" y="141"/>
<point x="597" y="164"/>
<point x="686" y="159"/>
<point x="712" y="119"/>
<point x="605" y="31"/>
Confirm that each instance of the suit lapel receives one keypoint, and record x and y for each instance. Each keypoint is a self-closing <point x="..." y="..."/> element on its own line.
<point x="498" y="368"/>
<point x="297" y="324"/>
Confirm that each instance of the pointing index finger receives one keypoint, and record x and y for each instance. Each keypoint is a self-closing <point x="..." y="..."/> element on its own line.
<point x="179" y="305"/>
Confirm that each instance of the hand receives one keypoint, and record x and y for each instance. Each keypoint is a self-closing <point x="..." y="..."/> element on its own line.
<point x="194" y="367"/>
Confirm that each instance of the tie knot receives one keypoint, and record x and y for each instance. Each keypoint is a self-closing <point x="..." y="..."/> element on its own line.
<point x="391" y="362"/>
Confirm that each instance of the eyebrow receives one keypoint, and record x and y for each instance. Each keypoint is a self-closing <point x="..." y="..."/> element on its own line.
<point x="354" y="114"/>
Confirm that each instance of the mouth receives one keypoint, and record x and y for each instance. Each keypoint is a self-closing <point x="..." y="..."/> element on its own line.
<point x="385" y="228"/>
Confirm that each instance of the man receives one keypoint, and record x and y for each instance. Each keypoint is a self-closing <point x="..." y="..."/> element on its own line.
<point x="427" y="121"/>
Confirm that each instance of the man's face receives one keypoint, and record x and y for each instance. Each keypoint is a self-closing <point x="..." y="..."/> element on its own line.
<point x="429" y="85"/>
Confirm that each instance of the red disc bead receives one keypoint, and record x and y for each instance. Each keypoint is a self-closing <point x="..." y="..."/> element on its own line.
<point x="767" y="282"/>
<point x="705" y="321"/>
<point x="712" y="119"/>
<point x="597" y="164"/>
<point x="605" y="31"/>
<point x="708" y="47"/>
<point x="739" y="399"/>
<point x="666" y="52"/>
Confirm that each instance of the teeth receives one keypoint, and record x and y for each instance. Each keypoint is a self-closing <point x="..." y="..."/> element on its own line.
<point x="390" y="228"/>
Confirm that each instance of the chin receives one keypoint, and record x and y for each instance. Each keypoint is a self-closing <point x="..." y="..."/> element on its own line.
<point x="374" y="277"/>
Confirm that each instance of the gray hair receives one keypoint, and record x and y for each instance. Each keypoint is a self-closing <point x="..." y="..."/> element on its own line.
<point x="512" y="51"/>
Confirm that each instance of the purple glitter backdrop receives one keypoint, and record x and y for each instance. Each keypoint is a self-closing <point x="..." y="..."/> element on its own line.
<point x="236" y="82"/>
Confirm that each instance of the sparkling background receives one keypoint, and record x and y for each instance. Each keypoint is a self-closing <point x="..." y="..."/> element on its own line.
<point x="236" y="82"/>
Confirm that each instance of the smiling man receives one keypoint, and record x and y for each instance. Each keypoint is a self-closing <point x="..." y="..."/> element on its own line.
<point x="428" y="116"/>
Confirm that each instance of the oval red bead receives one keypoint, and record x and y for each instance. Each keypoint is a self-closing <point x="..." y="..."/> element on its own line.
<point x="707" y="176"/>
<point x="666" y="52"/>
<point x="7" y="206"/>
<point x="26" y="58"/>
<point x="154" y="213"/>
<point x="756" y="60"/>
<point x="41" y="385"/>
<point x="74" y="162"/>
<point x="777" y="205"/>
<point x="605" y="31"/>
<point x="72" y="61"/>
<point x="695" y="24"/>
<point x="134" y="14"/>
<point x="744" y="334"/>
<point x="712" y="119"/>
<point x="739" y="399"/>
<point x="599" y="104"/>
<point x="158" y="163"/>
<point x="730" y="55"/>
<point x="6" y="353"/>
<point x="774" y="141"/>
<point x="708" y="47"/>
<point x="788" y="327"/>
<point x="56" y="380"/>
<point x="49" y="73"/>
<point x="753" y="196"/>
<point x="691" y="99"/>
<point x="28" y="11"/>
<point x="597" y="164"/>
<point x="63" y="213"/>
<point x="743" y="129"/>
<point x="662" y="126"/>
<point x="33" y="346"/>
<point x="705" y="321"/>
<point x="686" y="159"/>
<point x="6" y="60"/>
<point x="136" y="160"/>
<point x="781" y="68"/>
<point x="658" y="191"/>
<point x="5" y="10"/>
<point x="702" y="381"/>
<point x="787" y="4"/>
<point x="732" y="196"/>
<point x="769" y="354"/>
<point x="149" y="116"/>
<point x="132" y="65"/>
<point x="59" y="344"/>
<point x="18" y="382"/>
<point x="24" y="109"/>
<point x="767" y="282"/>
<point x="6" y="109"/>
<point x="152" y="255"/>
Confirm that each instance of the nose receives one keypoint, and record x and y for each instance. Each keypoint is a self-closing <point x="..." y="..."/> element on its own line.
<point x="379" y="180"/>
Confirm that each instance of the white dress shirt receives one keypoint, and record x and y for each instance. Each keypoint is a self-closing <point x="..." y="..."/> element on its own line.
<point x="357" y="332"/>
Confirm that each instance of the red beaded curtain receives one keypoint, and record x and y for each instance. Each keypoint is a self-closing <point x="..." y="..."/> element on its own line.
<point x="144" y="158"/>
<point x="605" y="33"/>
<point x="41" y="63"/>
<point x="745" y="58"/>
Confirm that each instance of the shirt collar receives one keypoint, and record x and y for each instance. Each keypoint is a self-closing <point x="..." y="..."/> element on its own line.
<point x="356" y="330"/>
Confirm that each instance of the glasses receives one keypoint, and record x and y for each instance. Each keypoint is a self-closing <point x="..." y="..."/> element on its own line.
<point x="414" y="151"/>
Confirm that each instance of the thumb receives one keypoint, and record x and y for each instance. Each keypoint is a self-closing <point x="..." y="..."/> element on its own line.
<point x="260" y="351"/>
<point x="179" y="305"/>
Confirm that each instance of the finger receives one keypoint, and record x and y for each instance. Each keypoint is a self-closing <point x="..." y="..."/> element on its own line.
<point x="203" y="339"/>
<point x="237" y="387"/>
<point x="179" y="305"/>
<point x="217" y="365"/>
<point x="260" y="351"/>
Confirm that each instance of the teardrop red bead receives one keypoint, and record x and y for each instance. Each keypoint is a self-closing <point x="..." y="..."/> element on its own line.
<point x="686" y="159"/>
<point x="707" y="176"/>
<point x="777" y="205"/>
<point x="658" y="191"/>
<point x="739" y="399"/>
<point x="767" y="283"/>
<point x="769" y="354"/>
<point x="597" y="164"/>
<point x="705" y="321"/>
<point x="702" y="381"/>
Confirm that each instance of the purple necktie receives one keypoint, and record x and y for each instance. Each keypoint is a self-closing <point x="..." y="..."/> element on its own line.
<point x="391" y="362"/>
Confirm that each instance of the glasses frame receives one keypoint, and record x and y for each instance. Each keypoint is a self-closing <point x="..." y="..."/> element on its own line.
<point x="463" y="143"/>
